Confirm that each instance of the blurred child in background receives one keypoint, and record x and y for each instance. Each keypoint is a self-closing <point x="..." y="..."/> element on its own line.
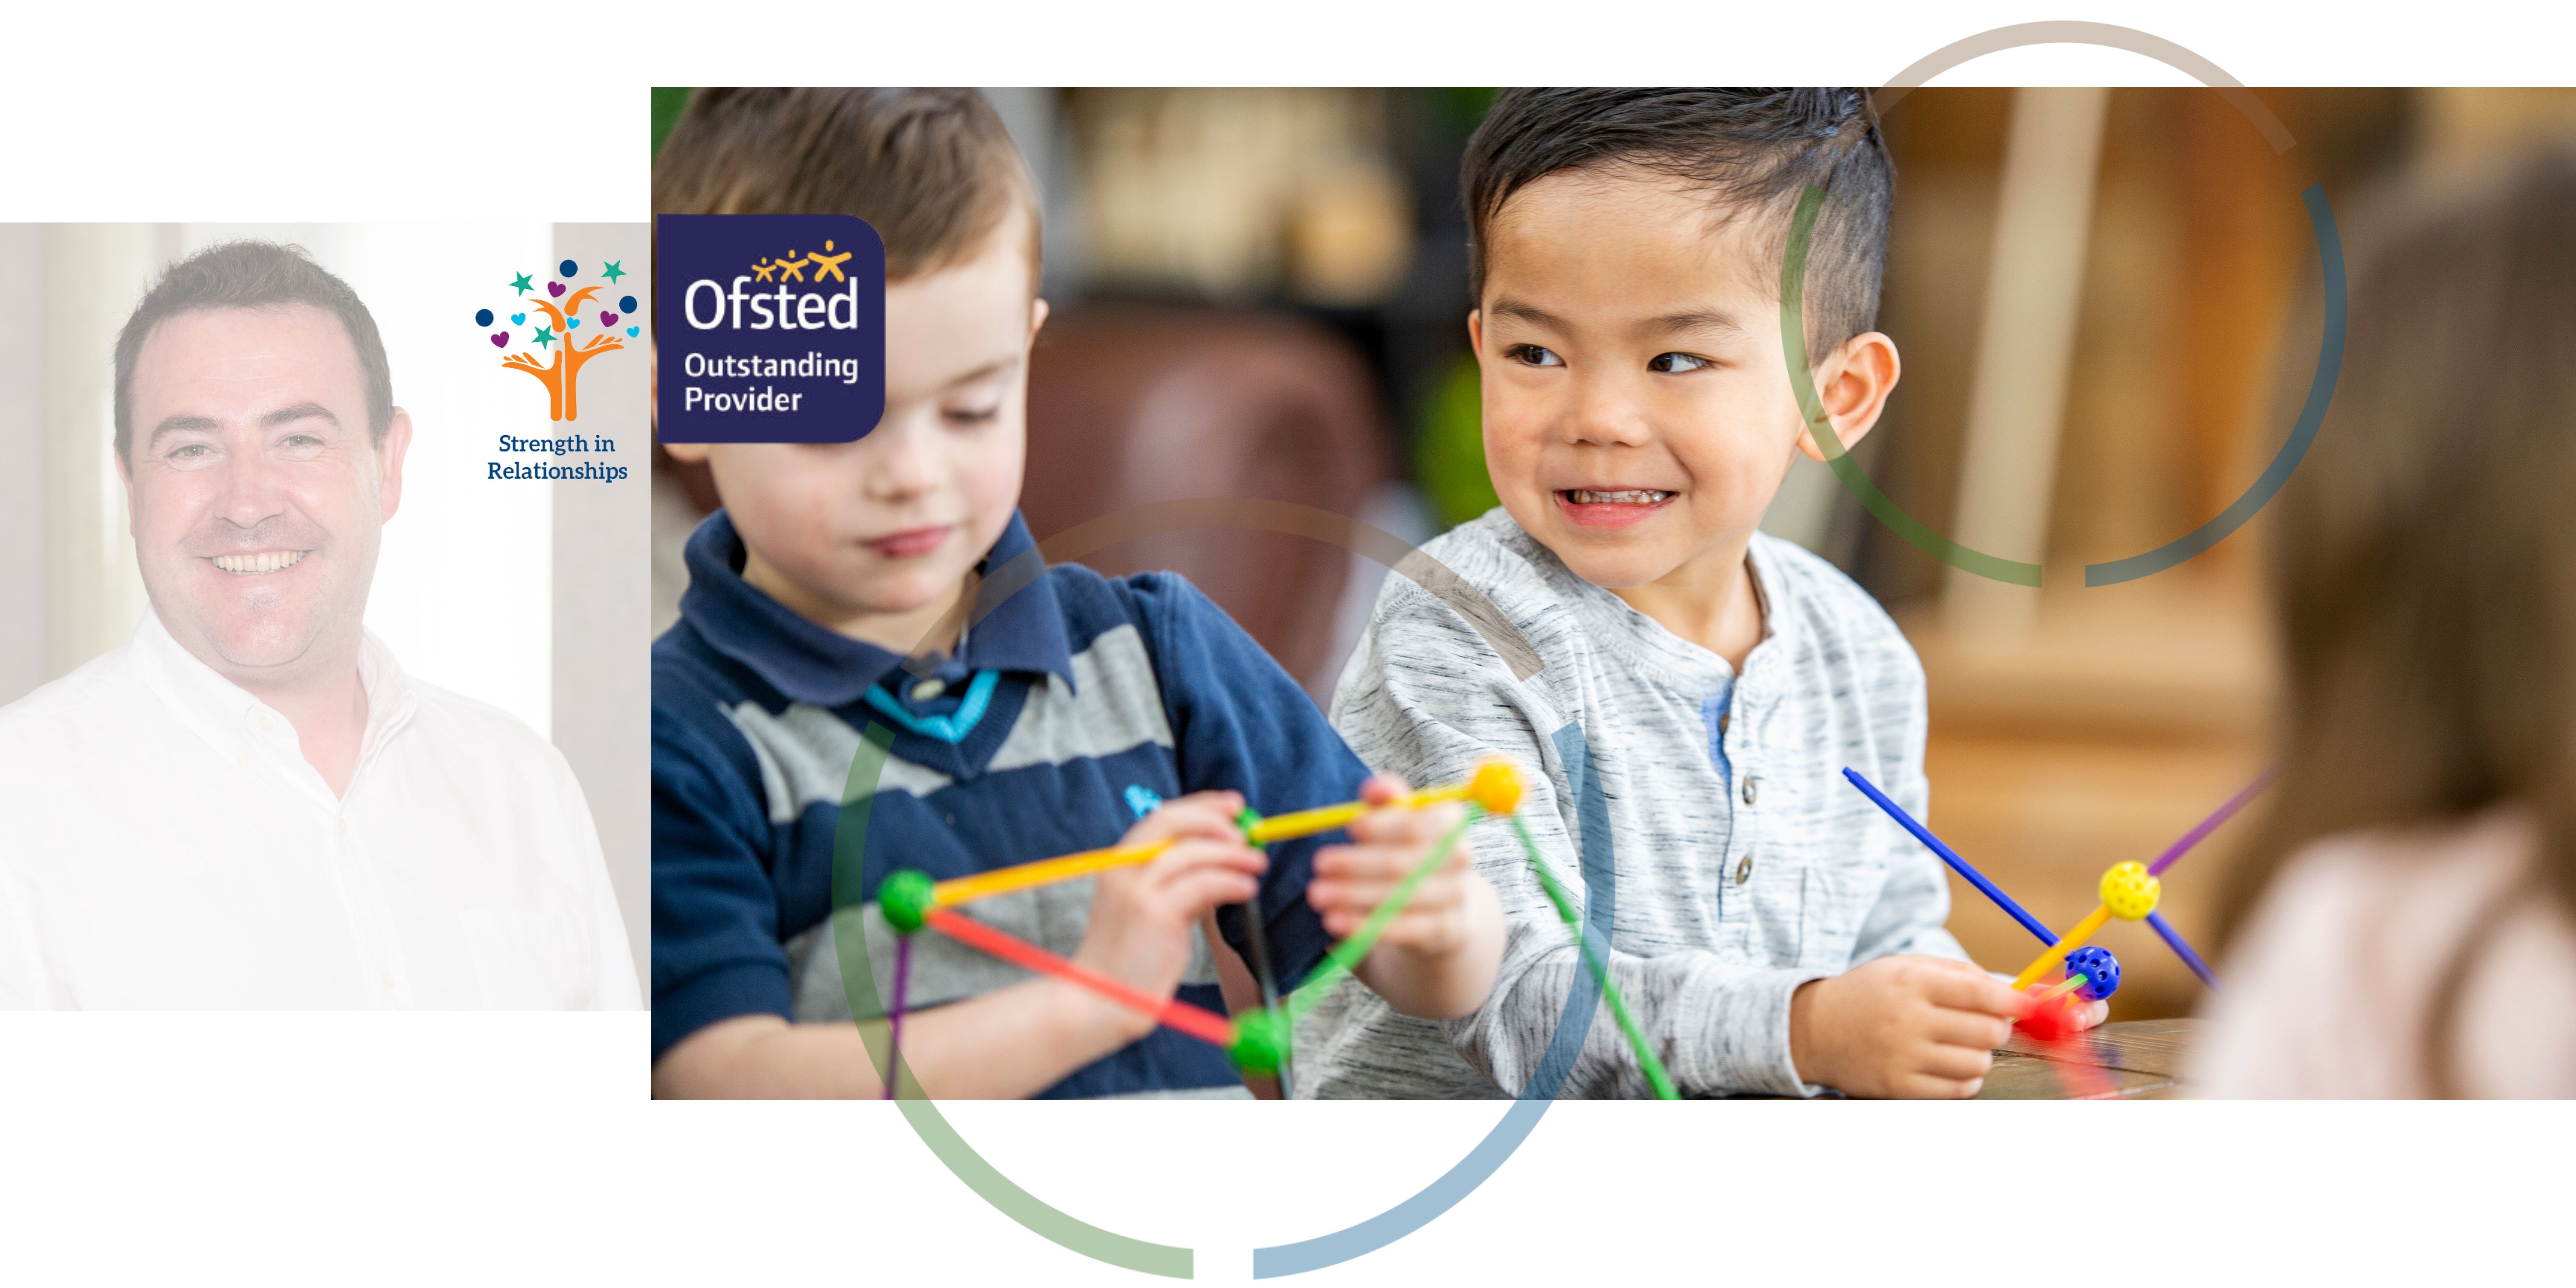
<point x="2402" y="926"/>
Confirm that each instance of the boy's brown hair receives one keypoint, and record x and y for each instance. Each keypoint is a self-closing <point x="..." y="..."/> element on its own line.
<point x="932" y="170"/>
<point x="1750" y="150"/>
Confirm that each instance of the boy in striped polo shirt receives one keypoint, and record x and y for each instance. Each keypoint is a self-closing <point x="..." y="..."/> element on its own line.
<point x="1045" y="710"/>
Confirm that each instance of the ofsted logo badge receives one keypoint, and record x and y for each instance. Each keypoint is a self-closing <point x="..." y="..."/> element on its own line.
<point x="772" y="329"/>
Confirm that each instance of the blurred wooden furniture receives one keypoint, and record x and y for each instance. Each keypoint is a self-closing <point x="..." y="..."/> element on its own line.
<point x="2125" y="1059"/>
<point x="1134" y="404"/>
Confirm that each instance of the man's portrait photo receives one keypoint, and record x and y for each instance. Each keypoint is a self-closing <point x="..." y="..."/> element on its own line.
<point x="251" y="800"/>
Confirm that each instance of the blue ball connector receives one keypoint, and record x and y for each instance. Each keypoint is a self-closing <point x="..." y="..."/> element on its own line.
<point x="2101" y="972"/>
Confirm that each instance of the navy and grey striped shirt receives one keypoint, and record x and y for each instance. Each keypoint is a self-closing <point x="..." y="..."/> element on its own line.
<point x="1073" y="701"/>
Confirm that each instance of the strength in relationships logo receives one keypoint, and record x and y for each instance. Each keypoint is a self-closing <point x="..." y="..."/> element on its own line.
<point x="546" y="325"/>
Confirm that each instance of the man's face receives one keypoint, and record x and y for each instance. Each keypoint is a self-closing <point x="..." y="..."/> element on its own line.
<point x="255" y="491"/>
<point x="890" y="524"/>
<point x="1636" y="410"/>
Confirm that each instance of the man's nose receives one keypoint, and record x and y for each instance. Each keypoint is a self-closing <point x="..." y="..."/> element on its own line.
<point x="253" y="490"/>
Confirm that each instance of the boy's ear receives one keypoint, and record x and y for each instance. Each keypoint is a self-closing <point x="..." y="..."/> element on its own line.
<point x="1476" y="332"/>
<point x="1037" y="317"/>
<point x="1853" y="384"/>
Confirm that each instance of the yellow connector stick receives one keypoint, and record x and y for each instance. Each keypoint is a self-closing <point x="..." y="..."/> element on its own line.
<point x="1496" y="786"/>
<point x="1005" y="880"/>
<point x="2074" y="939"/>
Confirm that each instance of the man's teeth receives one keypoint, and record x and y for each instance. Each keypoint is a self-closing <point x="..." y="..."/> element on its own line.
<point x="266" y="561"/>
<point x="1630" y="496"/>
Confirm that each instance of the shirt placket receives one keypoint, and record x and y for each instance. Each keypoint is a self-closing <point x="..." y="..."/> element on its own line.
<point x="355" y="880"/>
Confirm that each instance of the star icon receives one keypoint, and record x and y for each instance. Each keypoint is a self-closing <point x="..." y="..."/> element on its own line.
<point x="520" y="283"/>
<point x="544" y="336"/>
<point x="613" y="272"/>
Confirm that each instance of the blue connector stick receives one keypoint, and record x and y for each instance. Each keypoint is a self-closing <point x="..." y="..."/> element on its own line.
<point x="2173" y="940"/>
<point x="1975" y="878"/>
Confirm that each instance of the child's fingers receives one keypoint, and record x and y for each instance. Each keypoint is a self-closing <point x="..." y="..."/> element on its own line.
<point x="1419" y="828"/>
<point x="1956" y="1063"/>
<point x="1973" y="990"/>
<point x="1208" y="814"/>
<point x="1969" y="1028"/>
<point x="1382" y="788"/>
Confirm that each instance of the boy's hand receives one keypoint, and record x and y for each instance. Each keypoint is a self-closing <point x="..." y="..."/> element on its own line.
<point x="1350" y="881"/>
<point x="1920" y="1027"/>
<point x="1437" y="957"/>
<point x="1142" y="914"/>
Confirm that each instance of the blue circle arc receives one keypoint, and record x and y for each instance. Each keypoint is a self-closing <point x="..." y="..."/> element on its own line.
<point x="1600" y="880"/>
<point x="2320" y="393"/>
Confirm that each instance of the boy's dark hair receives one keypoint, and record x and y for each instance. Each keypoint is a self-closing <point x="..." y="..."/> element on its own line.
<point x="932" y="170"/>
<point x="1752" y="150"/>
<point x="252" y="275"/>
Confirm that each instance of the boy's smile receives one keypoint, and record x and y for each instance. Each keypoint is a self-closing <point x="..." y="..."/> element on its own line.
<point x="1638" y="416"/>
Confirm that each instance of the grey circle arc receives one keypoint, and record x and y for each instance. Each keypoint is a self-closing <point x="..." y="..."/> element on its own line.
<point x="2321" y="386"/>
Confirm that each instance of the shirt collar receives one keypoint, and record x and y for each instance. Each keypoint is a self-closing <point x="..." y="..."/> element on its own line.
<point x="235" y="721"/>
<point x="1017" y="625"/>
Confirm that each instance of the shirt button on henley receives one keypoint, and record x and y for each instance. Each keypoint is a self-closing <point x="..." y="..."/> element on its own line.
<point x="1744" y="869"/>
<point x="1748" y="789"/>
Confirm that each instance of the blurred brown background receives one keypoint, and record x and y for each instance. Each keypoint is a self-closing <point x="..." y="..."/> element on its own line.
<point x="1261" y="292"/>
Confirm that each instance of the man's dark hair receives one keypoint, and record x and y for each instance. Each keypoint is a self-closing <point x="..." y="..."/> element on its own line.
<point x="252" y="275"/>
<point x="1754" y="151"/>
<point x="932" y="170"/>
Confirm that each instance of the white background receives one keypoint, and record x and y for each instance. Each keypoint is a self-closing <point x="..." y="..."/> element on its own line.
<point x="521" y="1149"/>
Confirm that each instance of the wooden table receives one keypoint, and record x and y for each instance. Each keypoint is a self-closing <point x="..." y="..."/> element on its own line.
<point x="2125" y="1058"/>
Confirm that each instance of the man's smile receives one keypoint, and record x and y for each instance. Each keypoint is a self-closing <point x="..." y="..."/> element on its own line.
<point x="264" y="561"/>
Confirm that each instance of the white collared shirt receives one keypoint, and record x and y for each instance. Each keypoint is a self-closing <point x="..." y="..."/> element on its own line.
<point x="164" y="845"/>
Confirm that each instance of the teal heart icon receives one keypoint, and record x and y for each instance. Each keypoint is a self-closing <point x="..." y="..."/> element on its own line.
<point x="570" y="323"/>
<point x="518" y="319"/>
<point x="634" y="330"/>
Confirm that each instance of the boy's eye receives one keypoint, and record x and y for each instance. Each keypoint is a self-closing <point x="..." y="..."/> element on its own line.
<point x="972" y="415"/>
<point x="1533" y="355"/>
<point x="1673" y="363"/>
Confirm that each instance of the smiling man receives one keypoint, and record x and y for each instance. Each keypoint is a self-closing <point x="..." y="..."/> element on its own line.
<point x="250" y="805"/>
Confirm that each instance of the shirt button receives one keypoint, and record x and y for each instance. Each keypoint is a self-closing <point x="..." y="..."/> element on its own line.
<point x="1748" y="789"/>
<point x="952" y="820"/>
<point x="266" y="724"/>
<point x="928" y="689"/>
<point x="388" y="978"/>
<point x="344" y="827"/>
<point x="243" y="760"/>
<point x="1744" y="869"/>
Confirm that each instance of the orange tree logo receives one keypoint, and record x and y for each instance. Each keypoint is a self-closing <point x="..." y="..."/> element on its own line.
<point x="552" y="320"/>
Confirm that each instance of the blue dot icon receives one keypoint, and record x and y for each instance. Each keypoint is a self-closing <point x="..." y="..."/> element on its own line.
<point x="482" y="317"/>
<point x="567" y="268"/>
<point x="625" y="303"/>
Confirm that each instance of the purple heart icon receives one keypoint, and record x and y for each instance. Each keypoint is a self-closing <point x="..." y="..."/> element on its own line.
<point x="608" y="319"/>
<point x="633" y="330"/>
<point x="555" y="289"/>
<point x="500" y="339"/>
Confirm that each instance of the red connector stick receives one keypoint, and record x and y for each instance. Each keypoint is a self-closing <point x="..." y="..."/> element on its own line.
<point x="1198" y="1022"/>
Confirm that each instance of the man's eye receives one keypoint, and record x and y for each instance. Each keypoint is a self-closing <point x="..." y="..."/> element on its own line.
<point x="191" y="452"/>
<point x="1675" y="363"/>
<point x="1533" y="356"/>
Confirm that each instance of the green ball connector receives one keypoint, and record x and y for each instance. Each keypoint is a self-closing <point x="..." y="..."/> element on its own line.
<point x="1260" y="1042"/>
<point x="1249" y="819"/>
<point x="904" y="898"/>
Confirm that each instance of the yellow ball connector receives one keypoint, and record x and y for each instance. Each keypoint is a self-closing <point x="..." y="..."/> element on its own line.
<point x="2128" y="893"/>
